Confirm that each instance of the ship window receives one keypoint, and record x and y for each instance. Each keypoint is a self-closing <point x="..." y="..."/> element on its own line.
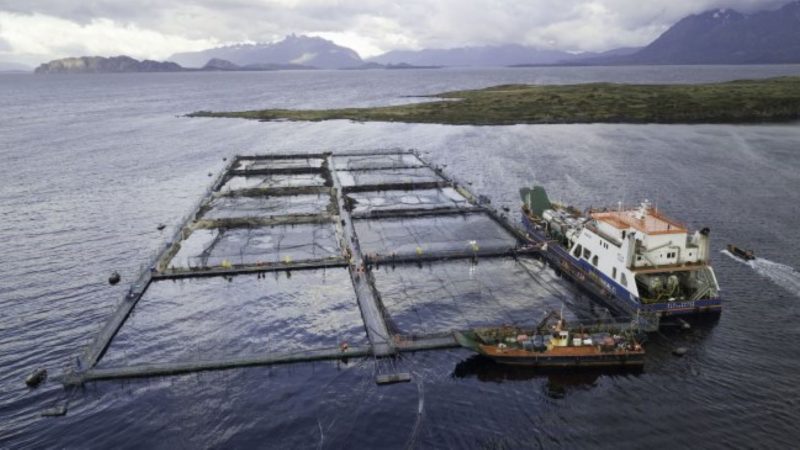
<point x="586" y="253"/>
<point x="594" y="261"/>
<point x="578" y="250"/>
<point x="623" y="234"/>
<point x="614" y="273"/>
<point x="623" y="279"/>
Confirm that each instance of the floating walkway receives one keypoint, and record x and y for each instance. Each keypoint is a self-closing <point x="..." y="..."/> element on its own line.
<point x="362" y="212"/>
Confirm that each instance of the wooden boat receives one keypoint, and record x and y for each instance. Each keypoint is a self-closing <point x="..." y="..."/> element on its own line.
<point x="746" y="255"/>
<point x="556" y="346"/>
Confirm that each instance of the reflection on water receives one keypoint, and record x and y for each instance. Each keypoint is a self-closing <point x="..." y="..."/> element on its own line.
<point x="560" y="382"/>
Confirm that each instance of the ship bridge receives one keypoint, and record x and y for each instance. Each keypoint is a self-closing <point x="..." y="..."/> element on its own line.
<point x="659" y="240"/>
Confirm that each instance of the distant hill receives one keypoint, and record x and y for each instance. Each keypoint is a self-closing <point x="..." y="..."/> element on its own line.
<point x="588" y="58"/>
<point x="298" y="50"/>
<point x="377" y="66"/>
<point x="125" y="64"/>
<point x="14" y="67"/>
<point x="729" y="37"/>
<point x="216" y="64"/>
<point x="722" y="36"/>
<point x="497" y="55"/>
<point x="99" y="64"/>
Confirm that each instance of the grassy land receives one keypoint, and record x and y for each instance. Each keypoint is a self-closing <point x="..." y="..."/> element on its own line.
<point x="770" y="100"/>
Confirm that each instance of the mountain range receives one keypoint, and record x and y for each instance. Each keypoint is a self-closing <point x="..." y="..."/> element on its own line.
<point x="496" y="55"/>
<point x="720" y="36"/>
<point x="298" y="50"/>
<point x="728" y="37"/>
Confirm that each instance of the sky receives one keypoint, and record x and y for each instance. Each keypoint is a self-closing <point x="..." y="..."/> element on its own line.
<point x="35" y="31"/>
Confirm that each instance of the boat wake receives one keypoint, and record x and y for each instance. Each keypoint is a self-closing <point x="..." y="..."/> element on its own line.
<point x="780" y="274"/>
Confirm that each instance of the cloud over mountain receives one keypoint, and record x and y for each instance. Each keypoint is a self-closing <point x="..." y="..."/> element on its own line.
<point x="33" y="31"/>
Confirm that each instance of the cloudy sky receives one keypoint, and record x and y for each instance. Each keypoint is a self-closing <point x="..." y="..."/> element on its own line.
<point x="33" y="31"/>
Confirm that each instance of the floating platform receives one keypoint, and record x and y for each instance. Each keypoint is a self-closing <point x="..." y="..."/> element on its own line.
<point x="308" y="257"/>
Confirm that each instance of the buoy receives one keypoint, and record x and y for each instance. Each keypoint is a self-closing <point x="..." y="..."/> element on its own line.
<point x="679" y="351"/>
<point x="36" y="378"/>
<point x="114" y="278"/>
<point x="161" y="226"/>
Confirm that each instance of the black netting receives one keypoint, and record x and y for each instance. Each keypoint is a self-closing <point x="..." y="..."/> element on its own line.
<point x="390" y="176"/>
<point x="432" y="234"/>
<point x="246" y="315"/>
<point x="272" y="181"/>
<point x="365" y="202"/>
<point x="247" y="246"/>
<point x="266" y="206"/>
<point x="288" y="163"/>
<point x="360" y="162"/>
<point x="444" y="296"/>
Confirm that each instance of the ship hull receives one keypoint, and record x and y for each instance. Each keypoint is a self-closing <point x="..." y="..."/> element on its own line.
<point x="563" y="357"/>
<point x="631" y="360"/>
<point x="611" y="289"/>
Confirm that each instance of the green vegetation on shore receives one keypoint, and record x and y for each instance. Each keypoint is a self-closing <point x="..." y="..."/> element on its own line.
<point x="769" y="100"/>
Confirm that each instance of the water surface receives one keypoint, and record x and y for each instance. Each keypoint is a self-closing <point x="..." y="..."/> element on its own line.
<point x="91" y="164"/>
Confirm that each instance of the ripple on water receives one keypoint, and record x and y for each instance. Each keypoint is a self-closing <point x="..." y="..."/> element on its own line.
<point x="214" y="318"/>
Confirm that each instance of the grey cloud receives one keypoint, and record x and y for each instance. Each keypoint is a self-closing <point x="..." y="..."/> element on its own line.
<point x="386" y="24"/>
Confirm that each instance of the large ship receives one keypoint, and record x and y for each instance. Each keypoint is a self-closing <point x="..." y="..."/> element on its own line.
<point x="641" y="259"/>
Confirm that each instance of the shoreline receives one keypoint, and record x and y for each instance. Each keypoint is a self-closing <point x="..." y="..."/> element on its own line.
<point x="773" y="100"/>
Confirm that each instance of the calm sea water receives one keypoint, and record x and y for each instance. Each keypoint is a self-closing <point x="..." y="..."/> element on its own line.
<point x="90" y="164"/>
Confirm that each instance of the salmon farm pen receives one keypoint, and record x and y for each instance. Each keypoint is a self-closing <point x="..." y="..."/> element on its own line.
<point x="305" y="257"/>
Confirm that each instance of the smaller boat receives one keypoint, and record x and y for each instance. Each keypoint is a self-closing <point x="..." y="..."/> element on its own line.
<point x="556" y="346"/>
<point x="746" y="255"/>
